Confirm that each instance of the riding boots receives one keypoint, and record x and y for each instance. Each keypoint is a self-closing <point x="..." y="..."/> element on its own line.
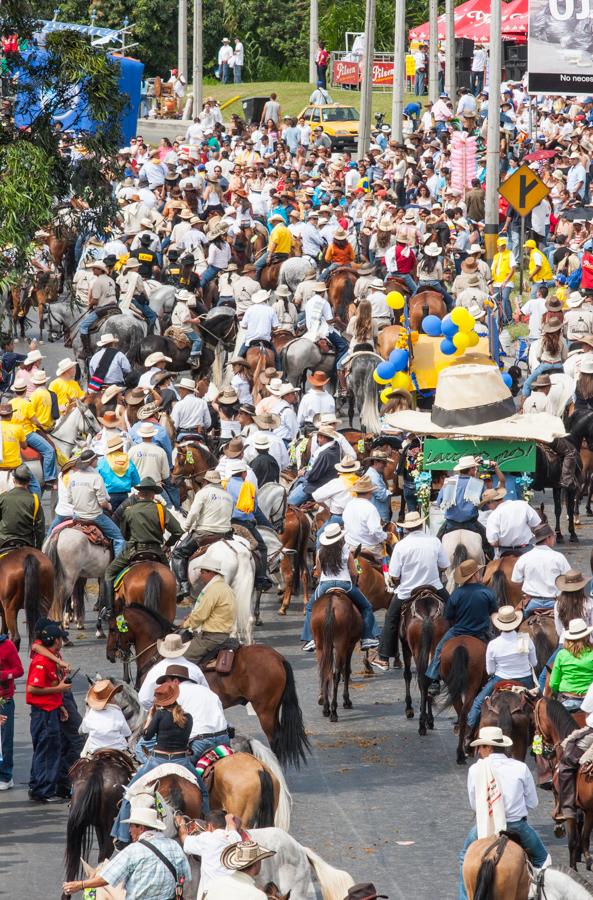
<point x="568" y="767"/>
<point x="86" y="345"/>
<point x="180" y="557"/>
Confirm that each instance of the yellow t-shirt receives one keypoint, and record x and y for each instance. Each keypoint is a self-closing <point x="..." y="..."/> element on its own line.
<point x="13" y="436"/>
<point x="21" y="413"/>
<point x="66" y="389"/>
<point x="40" y="401"/>
<point x="281" y="239"/>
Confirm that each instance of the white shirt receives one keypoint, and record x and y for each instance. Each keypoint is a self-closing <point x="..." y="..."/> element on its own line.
<point x="242" y="387"/>
<point x="204" y="706"/>
<point x="288" y="428"/>
<point x="315" y="401"/>
<point x="506" y="658"/>
<point x="237" y="886"/>
<point x="258" y="322"/>
<point x="239" y="53"/>
<point x="480" y="58"/>
<point x="516" y="784"/>
<point x="191" y="412"/>
<point x="208" y="846"/>
<point x="224" y="54"/>
<point x="335" y="494"/>
<point x="219" y="257"/>
<point x="145" y="380"/>
<point x="416" y="560"/>
<point x="587" y="706"/>
<point x="510" y="524"/>
<point x="107" y="729"/>
<point x="277" y="448"/>
<point x="538" y="569"/>
<point x="362" y="524"/>
<point x="146" y="692"/>
<point x="535" y="309"/>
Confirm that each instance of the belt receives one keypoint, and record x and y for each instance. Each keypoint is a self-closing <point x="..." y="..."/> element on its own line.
<point x="169" y="755"/>
<point x="202" y="737"/>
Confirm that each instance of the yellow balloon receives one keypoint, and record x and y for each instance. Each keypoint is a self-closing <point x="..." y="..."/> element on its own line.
<point x="401" y="380"/>
<point x="468" y="322"/>
<point x="473" y="339"/>
<point x="461" y="340"/>
<point x="380" y="380"/>
<point x="457" y="316"/>
<point x="384" y="395"/>
<point x="395" y="300"/>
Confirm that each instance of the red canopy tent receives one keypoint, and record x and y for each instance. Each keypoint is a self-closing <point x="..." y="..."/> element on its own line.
<point x="515" y="19"/>
<point x="466" y="16"/>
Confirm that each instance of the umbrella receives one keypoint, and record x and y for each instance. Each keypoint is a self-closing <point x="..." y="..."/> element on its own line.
<point x="579" y="214"/>
<point x="538" y="155"/>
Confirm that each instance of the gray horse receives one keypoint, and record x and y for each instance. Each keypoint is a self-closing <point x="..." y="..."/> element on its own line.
<point x="362" y="391"/>
<point x="73" y="556"/>
<point x="294" y="270"/>
<point x="65" y="317"/>
<point x="301" y="356"/>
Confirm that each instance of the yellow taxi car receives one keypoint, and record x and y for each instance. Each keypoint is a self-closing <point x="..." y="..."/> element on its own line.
<point x="340" y="123"/>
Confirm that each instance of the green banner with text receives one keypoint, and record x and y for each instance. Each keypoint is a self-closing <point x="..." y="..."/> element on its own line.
<point x="511" y="456"/>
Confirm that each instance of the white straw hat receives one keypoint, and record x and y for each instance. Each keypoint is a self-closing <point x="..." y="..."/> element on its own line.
<point x="507" y="618"/>
<point x="146" y="816"/>
<point x="332" y="534"/>
<point x="465" y="462"/>
<point x="107" y="338"/>
<point x="577" y="629"/>
<point x="64" y="365"/>
<point x="491" y="736"/>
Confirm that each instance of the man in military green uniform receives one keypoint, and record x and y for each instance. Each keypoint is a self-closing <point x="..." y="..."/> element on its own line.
<point x="21" y="516"/>
<point x="143" y="525"/>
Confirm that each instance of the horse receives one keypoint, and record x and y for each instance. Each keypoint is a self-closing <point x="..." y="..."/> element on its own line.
<point x="149" y="583"/>
<point x="463" y="670"/>
<point x="340" y="290"/>
<point x="271" y="499"/>
<point x="362" y="391"/>
<point x="295" y="270"/>
<point x="294" y="565"/>
<point x="497" y="576"/>
<point x="42" y="290"/>
<point x="460" y="545"/>
<point x="421" y="628"/>
<point x="73" y="556"/>
<point x="548" y="470"/>
<point x="260" y="676"/>
<point x="67" y="316"/>
<point x="542" y="630"/>
<point x="513" y="712"/>
<point x="303" y="355"/>
<point x="372" y="582"/>
<point x="76" y="423"/>
<point x="336" y="625"/>
<point x="160" y="343"/>
<point x="238" y="568"/>
<point x="26" y="582"/>
<point x="192" y="460"/>
<point x="425" y="303"/>
<point x="97" y="789"/>
<point x="495" y="868"/>
<point x="269" y="276"/>
<point x="243" y="786"/>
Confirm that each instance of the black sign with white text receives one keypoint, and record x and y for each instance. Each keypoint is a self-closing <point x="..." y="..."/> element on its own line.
<point x="560" y="46"/>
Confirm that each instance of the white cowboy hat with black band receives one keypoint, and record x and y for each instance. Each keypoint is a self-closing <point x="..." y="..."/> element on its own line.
<point x="507" y="618"/>
<point x="491" y="736"/>
<point x="577" y="630"/>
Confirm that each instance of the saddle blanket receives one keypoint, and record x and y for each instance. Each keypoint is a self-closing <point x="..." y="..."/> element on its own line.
<point x="120" y="577"/>
<point x="155" y="774"/>
<point x="90" y="531"/>
<point x="211" y="757"/>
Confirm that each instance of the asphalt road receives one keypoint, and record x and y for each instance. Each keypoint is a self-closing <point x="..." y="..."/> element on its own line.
<point x="375" y="798"/>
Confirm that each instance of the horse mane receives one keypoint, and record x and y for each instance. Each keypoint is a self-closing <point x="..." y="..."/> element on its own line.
<point x="152" y="614"/>
<point x="580" y="426"/>
<point x="560" y="718"/>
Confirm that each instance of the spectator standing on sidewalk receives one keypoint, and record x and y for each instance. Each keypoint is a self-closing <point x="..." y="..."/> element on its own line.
<point x="224" y="57"/>
<point x="11" y="667"/>
<point x="239" y="60"/>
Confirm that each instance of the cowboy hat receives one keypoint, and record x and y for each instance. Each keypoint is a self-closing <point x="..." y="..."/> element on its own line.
<point x="101" y="692"/>
<point x="348" y="466"/>
<point x="212" y="476"/>
<point x="326" y="431"/>
<point x="107" y="338"/>
<point x="111" y="392"/>
<point x="115" y="443"/>
<point x="320" y="287"/>
<point x="185" y="214"/>
<point x="364" y="485"/>
<point x="32" y="357"/>
<point x="577" y="629"/>
<point x="432" y="249"/>
<point x="174" y="671"/>
<point x="575" y="299"/>
<point x="243" y="855"/>
<point x="87" y="457"/>
<point x="492" y="495"/>
<point x="586" y="365"/>
<point x="285" y="389"/>
<point x="211" y="563"/>
<point x="234" y="448"/>
<point x="491" y="736"/>
<point x="542" y="381"/>
<point x="274" y="386"/>
<point x="507" y="618"/>
<point x="267" y="421"/>
<point x="19" y="384"/>
<point x="239" y="361"/>
<point x="476" y="311"/>
<point x="260" y="296"/>
<point x="144" y="815"/>
<point x="39" y="377"/>
<point x="465" y="462"/>
<point x="166" y="694"/>
<point x="282" y="291"/>
<point x="228" y="397"/>
<point x="469" y="265"/>
<point x="262" y="442"/>
<point x="409" y="216"/>
<point x="268" y="375"/>
<point x="98" y="264"/>
<point x="541" y="532"/>
<point x="171" y="646"/>
<point x="318" y="379"/>
<point x="466" y="570"/>
<point x="147" y="411"/>
<point x="331" y="535"/>
<point x="64" y="365"/>
<point x="551" y="327"/>
<point x="412" y="520"/>
<point x="375" y="456"/>
<point x="553" y="304"/>
<point x="148" y="484"/>
<point x="473" y="280"/>
<point x="132" y="263"/>
<point x="5" y="409"/>
<point x="364" y="891"/>
<point x="153" y="358"/>
<point x="186" y="384"/>
<point x="236" y="467"/>
<point x="573" y="580"/>
<point x="109" y="419"/>
<point x="276" y="218"/>
<point x="147" y="430"/>
<point x="385" y="224"/>
<point x="135" y="397"/>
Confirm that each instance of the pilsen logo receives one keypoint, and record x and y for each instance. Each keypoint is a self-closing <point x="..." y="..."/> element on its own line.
<point x="346" y="72"/>
<point x="382" y="73"/>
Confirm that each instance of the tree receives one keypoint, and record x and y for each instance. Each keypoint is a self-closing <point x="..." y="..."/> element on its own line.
<point x="35" y="171"/>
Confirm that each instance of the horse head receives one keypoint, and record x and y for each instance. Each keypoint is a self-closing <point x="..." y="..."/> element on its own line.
<point x="119" y="638"/>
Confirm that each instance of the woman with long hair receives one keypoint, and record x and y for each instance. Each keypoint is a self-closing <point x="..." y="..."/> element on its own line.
<point x="336" y="568"/>
<point x="571" y="603"/>
<point x="547" y="354"/>
<point x="583" y="395"/>
<point x="572" y="674"/>
<point x="360" y="328"/>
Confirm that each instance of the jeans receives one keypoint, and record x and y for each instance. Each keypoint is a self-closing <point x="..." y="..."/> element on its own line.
<point x="48" y="455"/>
<point x="419" y="83"/>
<point x="208" y="276"/>
<point x="504" y="293"/>
<point x="477" y="83"/>
<point x="537" y="284"/>
<point x="432" y="673"/>
<point x="299" y="494"/>
<point x="237" y="73"/>
<point x="407" y="278"/>
<point x="111" y="532"/>
<point x="538" y="603"/>
<point x="543" y="367"/>
<point x="261" y="262"/>
<point x="199" y="747"/>
<point x="435" y="285"/>
<point x="410" y="498"/>
<point x="172" y="492"/>
<point x="322" y="76"/>
<point x="196" y="342"/>
<point x="34" y="485"/>
<point x="7" y="732"/>
<point x="72" y="740"/>
<point x="544" y="672"/>
<point x="358" y="598"/>
<point x="226" y="73"/>
<point x="529" y="838"/>
<point x="338" y="343"/>
<point x="328" y="270"/>
<point x="473" y="717"/>
<point x="89" y="319"/>
<point x="47" y="751"/>
<point x="148" y="313"/>
<point x="116" y="499"/>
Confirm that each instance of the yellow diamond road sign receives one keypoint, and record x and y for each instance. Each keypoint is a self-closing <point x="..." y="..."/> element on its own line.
<point x="524" y="190"/>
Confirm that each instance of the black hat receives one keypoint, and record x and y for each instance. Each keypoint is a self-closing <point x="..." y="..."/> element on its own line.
<point x="110" y="259"/>
<point x="188" y="259"/>
<point x="146" y="239"/>
<point x="51" y="632"/>
<point x="149" y="484"/>
<point x="22" y="473"/>
<point x="366" y="891"/>
<point x="173" y="254"/>
<point x="87" y="456"/>
<point x="248" y="408"/>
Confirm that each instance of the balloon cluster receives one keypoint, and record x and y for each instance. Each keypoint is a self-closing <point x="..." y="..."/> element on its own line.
<point x="393" y="372"/>
<point x="456" y="329"/>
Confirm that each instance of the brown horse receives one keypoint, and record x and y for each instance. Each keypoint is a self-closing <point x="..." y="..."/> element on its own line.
<point x="421" y="628"/>
<point x="192" y="461"/>
<point x="246" y="788"/>
<point x="260" y="676"/>
<point x="463" y="670"/>
<point x="386" y="339"/>
<point x="542" y="631"/>
<point x="150" y="584"/>
<point x="497" y="576"/>
<point x="513" y="712"/>
<point x="340" y="290"/>
<point x="97" y="788"/>
<point x="294" y="565"/>
<point x="336" y="625"/>
<point x="496" y="868"/>
<point x="425" y="303"/>
<point x="270" y="275"/>
<point x="26" y="581"/>
<point x="372" y="583"/>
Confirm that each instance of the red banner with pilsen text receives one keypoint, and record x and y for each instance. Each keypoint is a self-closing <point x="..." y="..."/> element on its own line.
<point x="382" y="72"/>
<point x="346" y="72"/>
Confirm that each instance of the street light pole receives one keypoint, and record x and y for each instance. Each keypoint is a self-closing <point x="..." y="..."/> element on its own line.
<point x="313" y="39"/>
<point x="399" y="71"/>
<point x="493" y="136"/>
<point x="366" y="90"/>
<point x="450" y="80"/>
<point x="198" y="58"/>
<point x="433" y="51"/>
<point x="182" y="39"/>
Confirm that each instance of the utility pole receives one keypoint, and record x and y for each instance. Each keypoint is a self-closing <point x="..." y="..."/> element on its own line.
<point x="433" y="51"/>
<point x="313" y="39"/>
<point x="493" y="136"/>
<point x="198" y="58"/>
<point x="399" y="71"/>
<point x="366" y="90"/>
<point x="450" y="81"/>
<point x="182" y="39"/>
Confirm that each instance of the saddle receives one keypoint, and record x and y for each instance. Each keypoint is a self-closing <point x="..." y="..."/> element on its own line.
<point x="246" y="535"/>
<point x="90" y="531"/>
<point x="205" y="540"/>
<point x="364" y="554"/>
<point x="13" y="543"/>
<point x="541" y="612"/>
<point x="221" y="658"/>
<point x="206" y="763"/>
<point x="178" y="336"/>
<point x="104" y="312"/>
<point x="423" y="593"/>
<point x="340" y="271"/>
<point x="29" y="455"/>
<point x="144" y="556"/>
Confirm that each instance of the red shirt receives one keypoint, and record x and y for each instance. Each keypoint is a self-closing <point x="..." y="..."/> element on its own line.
<point x="11" y="667"/>
<point x="43" y="673"/>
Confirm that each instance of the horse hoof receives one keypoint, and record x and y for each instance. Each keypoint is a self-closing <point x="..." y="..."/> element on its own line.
<point x="326" y="713"/>
<point x="409" y="714"/>
<point x="589" y="511"/>
<point x="461" y="759"/>
<point x="559" y="830"/>
<point x="320" y="701"/>
<point x="430" y="724"/>
<point x="258" y="622"/>
<point x="68" y="643"/>
<point x="100" y="636"/>
<point x="333" y="717"/>
<point x="422" y="730"/>
<point x="573" y="538"/>
<point x="282" y="611"/>
<point x="79" y="626"/>
<point x="559" y="537"/>
<point x="347" y="705"/>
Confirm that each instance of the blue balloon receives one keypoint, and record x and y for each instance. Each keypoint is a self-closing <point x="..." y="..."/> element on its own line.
<point x="507" y="379"/>
<point x="448" y="327"/>
<point x="448" y="347"/>
<point x="431" y="325"/>
<point x="386" y="370"/>
<point x="399" y="358"/>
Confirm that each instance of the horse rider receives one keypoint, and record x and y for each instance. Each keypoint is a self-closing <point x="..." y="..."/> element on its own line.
<point x="418" y="559"/>
<point x="381" y="498"/>
<point x="209" y="728"/>
<point x="21" y="515"/>
<point x="108" y="365"/>
<point x="573" y="748"/>
<point x="562" y="446"/>
<point x="538" y="569"/>
<point x="460" y="498"/>
<point x="259" y="322"/>
<point x="170" y="647"/>
<point x="509" y="527"/>
<point x="319" y="319"/>
<point x="33" y="414"/>
<point x="13" y="442"/>
<point x="501" y="792"/>
<point x="102" y="294"/>
<point x="468" y="612"/>
<point x="184" y="317"/>
<point x="143" y="525"/>
<point x="321" y="468"/>
<point x="65" y="386"/>
<point x="191" y="414"/>
<point x="279" y="245"/>
<point x="247" y="513"/>
<point x="213" y="617"/>
<point x="133" y="292"/>
<point x="221" y="830"/>
<point x="362" y="524"/>
<point x="210" y="513"/>
<point x="509" y="657"/>
<point x="337" y="493"/>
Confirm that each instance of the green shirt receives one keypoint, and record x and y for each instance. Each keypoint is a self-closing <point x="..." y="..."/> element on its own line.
<point x="141" y="524"/>
<point x="21" y="517"/>
<point x="571" y="674"/>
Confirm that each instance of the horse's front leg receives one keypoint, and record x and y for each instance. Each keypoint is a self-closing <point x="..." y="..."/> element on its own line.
<point x="570" y="502"/>
<point x="256" y="608"/>
<point x="557" y="495"/>
<point x="286" y="568"/>
<point x="11" y="613"/>
<point x="407" y="655"/>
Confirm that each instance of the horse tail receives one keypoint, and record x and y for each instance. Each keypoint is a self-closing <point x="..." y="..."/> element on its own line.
<point x="543" y="648"/>
<point x="290" y="742"/>
<point x="484" y="889"/>
<point x="457" y="678"/>
<point x="334" y="883"/>
<point x="369" y="411"/>
<point x="505" y="717"/>
<point x="426" y="638"/>
<point x="460" y="554"/>
<point x="50" y="548"/>
<point x="85" y="812"/>
<point x="269" y="759"/>
<point x="264" y="817"/>
<point x="346" y="297"/>
<point x="152" y="592"/>
<point x="498" y="585"/>
<point x="31" y="598"/>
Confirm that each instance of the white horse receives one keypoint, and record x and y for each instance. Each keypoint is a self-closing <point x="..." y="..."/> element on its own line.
<point x="271" y="499"/>
<point x="560" y="884"/>
<point x="78" y="424"/>
<point x="290" y="868"/>
<point x="73" y="556"/>
<point x="239" y="573"/>
<point x="461" y="545"/>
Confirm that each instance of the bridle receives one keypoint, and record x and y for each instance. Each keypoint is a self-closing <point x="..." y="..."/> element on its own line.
<point x="119" y="626"/>
<point x="548" y="749"/>
<point x="537" y="878"/>
<point x="223" y="338"/>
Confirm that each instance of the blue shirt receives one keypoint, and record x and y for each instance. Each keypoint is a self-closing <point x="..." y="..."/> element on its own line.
<point x="161" y="438"/>
<point x="469" y="609"/>
<point x="118" y="484"/>
<point x="233" y="487"/>
<point x="381" y="498"/>
<point x="412" y="109"/>
<point x="462" y="510"/>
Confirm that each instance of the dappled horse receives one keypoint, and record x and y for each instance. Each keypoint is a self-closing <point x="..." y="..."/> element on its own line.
<point x="73" y="556"/>
<point x="463" y="671"/>
<point x="421" y="627"/>
<point x="26" y="582"/>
